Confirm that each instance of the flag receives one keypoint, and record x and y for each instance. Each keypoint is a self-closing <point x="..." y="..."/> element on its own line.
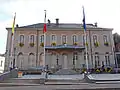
<point x="13" y="24"/>
<point x="45" y="27"/>
<point x="84" y="24"/>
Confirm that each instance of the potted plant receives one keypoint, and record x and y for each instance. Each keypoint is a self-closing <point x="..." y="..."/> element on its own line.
<point x="75" y="43"/>
<point x="42" y="44"/>
<point x="53" y="44"/>
<point x="32" y="44"/>
<point x="21" y="44"/>
<point x="64" y="43"/>
<point x="96" y="44"/>
<point x="106" y="43"/>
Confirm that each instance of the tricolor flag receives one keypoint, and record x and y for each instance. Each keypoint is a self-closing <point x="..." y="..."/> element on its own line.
<point x="45" y="27"/>
<point x="84" y="24"/>
<point x="13" y="25"/>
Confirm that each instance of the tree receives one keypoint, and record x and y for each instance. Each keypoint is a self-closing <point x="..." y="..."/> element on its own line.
<point x="116" y="38"/>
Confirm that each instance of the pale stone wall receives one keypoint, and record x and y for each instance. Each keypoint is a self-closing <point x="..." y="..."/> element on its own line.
<point x="26" y="49"/>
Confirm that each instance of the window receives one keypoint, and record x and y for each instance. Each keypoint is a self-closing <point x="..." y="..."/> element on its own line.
<point x="97" y="61"/>
<point x="75" y="58"/>
<point x="31" y="38"/>
<point x="21" y="38"/>
<point x="87" y="57"/>
<point x="107" y="59"/>
<point x="57" y="60"/>
<point x="1" y="64"/>
<point x="84" y="39"/>
<point x="53" y="38"/>
<point x="94" y="38"/>
<point x="64" y="39"/>
<point x="105" y="38"/>
<point x="74" y="39"/>
<point x="42" y="38"/>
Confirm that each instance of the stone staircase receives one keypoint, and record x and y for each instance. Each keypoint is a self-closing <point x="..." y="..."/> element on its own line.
<point x="65" y="72"/>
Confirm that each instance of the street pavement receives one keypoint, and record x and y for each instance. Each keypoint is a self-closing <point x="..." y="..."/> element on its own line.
<point x="66" y="87"/>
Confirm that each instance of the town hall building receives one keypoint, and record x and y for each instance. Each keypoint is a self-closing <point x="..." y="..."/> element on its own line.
<point x="65" y="46"/>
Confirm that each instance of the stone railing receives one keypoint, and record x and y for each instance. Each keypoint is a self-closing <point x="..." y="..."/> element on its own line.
<point x="10" y="74"/>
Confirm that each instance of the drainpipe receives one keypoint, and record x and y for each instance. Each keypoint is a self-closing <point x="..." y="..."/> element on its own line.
<point x="37" y="38"/>
<point x="91" y="47"/>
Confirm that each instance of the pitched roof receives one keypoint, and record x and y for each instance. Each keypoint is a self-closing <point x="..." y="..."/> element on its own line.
<point x="60" y="25"/>
<point x="63" y="26"/>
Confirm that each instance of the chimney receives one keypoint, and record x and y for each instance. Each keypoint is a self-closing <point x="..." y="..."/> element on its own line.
<point x="57" y="21"/>
<point x="96" y="24"/>
<point x="48" y="22"/>
<point x="17" y="25"/>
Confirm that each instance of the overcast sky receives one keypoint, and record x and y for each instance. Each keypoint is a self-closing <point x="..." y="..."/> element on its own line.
<point x="105" y="12"/>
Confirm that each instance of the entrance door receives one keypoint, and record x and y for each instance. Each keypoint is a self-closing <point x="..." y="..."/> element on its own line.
<point x="41" y="59"/>
<point x="65" y="61"/>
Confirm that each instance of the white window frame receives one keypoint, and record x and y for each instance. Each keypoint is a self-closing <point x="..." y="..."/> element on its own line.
<point x="75" y="54"/>
<point x="107" y="59"/>
<point x="93" y="39"/>
<point x="24" y="38"/>
<point x="76" y="38"/>
<point x="30" y="37"/>
<point x="51" y="38"/>
<point x="106" y="38"/>
<point x="83" y="38"/>
<point x="61" y="38"/>
<point x="97" y="59"/>
<point x="1" y="63"/>
<point x="40" y="38"/>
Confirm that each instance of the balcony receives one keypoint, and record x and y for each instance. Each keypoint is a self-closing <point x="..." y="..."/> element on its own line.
<point x="65" y="46"/>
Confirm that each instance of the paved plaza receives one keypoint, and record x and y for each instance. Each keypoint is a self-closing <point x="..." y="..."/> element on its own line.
<point x="58" y="77"/>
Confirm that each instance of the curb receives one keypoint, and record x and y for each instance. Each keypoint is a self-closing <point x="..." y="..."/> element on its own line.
<point x="14" y="84"/>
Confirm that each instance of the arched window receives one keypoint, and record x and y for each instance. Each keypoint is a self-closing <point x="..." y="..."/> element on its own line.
<point x="84" y="39"/>
<point x="54" y="61"/>
<point x="75" y="58"/>
<point x="21" y="38"/>
<point x="53" y="38"/>
<point x="94" y="38"/>
<point x="31" y="38"/>
<point x="64" y="39"/>
<point x="41" y="38"/>
<point x="107" y="59"/>
<point x="20" y="60"/>
<point x="31" y="60"/>
<point x="105" y="38"/>
<point x="97" y="61"/>
<point x="74" y="39"/>
<point x="41" y="59"/>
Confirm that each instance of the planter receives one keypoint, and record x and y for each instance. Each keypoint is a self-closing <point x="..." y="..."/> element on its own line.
<point x="106" y="44"/>
<point x="21" y="44"/>
<point x="42" y="44"/>
<point x="96" y="44"/>
<point x="32" y="44"/>
<point x="53" y="44"/>
<point x="75" y="43"/>
<point x="86" y="43"/>
<point x="64" y="43"/>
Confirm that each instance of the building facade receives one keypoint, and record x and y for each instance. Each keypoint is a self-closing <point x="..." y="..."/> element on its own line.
<point x="65" y="46"/>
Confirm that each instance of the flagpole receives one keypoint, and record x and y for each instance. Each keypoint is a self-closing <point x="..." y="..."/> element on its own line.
<point x="85" y="38"/>
<point x="44" y="39"/>
<point x="86" y="55"/>
<point x="12" y="43"/>
<point x="11" y="56"/>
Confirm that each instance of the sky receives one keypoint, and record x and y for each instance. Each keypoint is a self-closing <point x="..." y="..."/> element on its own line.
<point x="105" y="12"/>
